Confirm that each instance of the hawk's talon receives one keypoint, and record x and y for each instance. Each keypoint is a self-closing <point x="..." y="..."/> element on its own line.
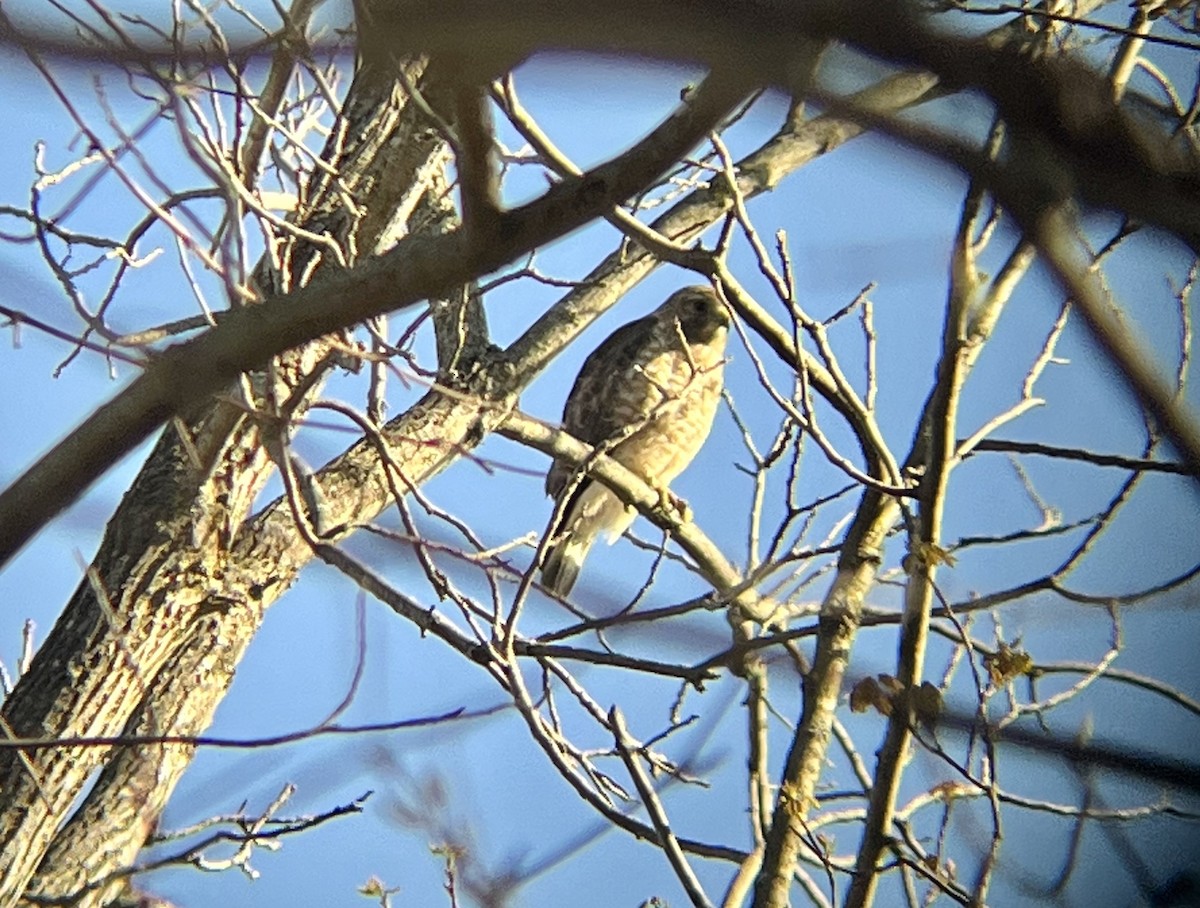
<point x="670" y="504"/>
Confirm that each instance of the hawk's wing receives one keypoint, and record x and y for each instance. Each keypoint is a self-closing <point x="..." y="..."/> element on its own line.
<point x="588" y="414"/>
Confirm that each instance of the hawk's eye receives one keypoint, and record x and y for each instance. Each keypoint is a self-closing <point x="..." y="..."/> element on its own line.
<point x="698" y="305"/>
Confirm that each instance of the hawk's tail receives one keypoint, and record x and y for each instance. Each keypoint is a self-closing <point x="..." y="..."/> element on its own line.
<point x="562" y="563"/>
<point x="593" y="512"/>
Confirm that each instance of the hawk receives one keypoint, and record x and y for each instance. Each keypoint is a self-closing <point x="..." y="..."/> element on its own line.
<point x="648" y="394"/>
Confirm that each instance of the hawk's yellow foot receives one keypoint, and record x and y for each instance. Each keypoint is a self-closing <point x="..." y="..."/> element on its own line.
<point x="669" y="502"/>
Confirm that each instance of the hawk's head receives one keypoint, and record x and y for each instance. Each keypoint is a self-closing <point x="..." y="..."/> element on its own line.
<point x="700" y="314"/>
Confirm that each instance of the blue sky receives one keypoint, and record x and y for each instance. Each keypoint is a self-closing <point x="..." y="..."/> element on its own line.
<point x="870" y="212"/>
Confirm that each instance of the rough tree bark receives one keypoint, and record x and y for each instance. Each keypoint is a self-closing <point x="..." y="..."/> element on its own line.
<point x="139" y="649"/>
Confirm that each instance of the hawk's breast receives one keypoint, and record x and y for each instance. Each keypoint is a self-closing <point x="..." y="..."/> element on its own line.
<point x="668" y="403"/>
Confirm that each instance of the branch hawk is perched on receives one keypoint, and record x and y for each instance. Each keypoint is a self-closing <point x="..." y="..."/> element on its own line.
<point x="649" y="394"/>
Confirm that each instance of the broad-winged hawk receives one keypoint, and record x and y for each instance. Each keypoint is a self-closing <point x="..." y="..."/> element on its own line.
<point x="649" y="394"/>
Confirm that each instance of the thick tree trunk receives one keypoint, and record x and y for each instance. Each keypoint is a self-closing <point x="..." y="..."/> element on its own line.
<point x="141" y="649"/>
